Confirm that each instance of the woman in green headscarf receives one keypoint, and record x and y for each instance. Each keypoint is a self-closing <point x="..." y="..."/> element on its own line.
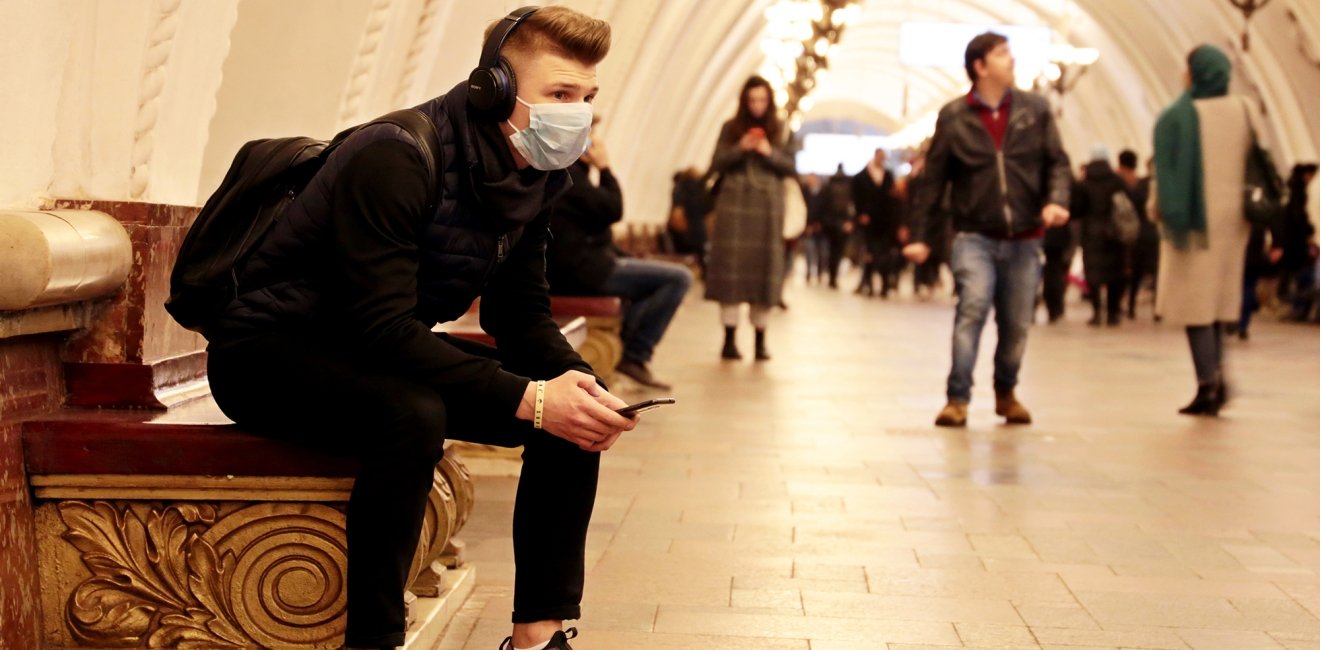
<point x="1201" y="144"/>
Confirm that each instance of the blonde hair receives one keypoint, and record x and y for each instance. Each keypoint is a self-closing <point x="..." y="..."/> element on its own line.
<point x="561" y="31"/>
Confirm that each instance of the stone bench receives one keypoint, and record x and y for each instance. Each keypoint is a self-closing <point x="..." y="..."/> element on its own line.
<point x="159" y="528"/>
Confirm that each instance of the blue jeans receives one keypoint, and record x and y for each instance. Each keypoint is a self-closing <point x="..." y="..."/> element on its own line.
<point x="653" y="291"/>
<point x="996" y="273"/>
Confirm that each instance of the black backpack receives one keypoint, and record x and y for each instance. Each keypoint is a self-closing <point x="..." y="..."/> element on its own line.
<point x="262" y="182"/>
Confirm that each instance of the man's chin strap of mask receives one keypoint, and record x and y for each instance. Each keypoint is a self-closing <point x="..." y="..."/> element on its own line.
<point x="556" y="135"/>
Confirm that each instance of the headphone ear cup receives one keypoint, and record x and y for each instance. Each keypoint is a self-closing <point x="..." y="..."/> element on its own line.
<point x="483" y="89"/>
<point x="508" y="89"/>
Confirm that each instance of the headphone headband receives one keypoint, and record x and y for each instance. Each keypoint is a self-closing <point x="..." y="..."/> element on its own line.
<point x="492" y="87"/>
<point x="490" y="53"/>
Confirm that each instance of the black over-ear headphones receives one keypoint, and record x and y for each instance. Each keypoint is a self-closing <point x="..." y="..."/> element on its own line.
<point x="492" y="86"/>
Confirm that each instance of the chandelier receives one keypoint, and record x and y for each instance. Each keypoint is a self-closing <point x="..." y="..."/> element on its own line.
<point x="1066" y="66"/>
<point x="799" y="38"/>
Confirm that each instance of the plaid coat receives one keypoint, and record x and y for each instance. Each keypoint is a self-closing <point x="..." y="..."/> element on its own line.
<point x="746" y="262"/>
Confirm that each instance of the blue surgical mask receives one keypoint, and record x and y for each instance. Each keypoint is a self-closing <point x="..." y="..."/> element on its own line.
<point x="557" y="134"/>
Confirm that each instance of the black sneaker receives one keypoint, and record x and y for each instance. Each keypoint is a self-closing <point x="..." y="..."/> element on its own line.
<point x="557" y="642"/>
<point x="641" y="374"/>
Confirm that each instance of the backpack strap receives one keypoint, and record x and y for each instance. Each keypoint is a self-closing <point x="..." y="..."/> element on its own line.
<point x="423" y="130"/>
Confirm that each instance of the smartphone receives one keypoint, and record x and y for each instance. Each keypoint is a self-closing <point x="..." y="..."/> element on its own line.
<point x="642" y="407"/>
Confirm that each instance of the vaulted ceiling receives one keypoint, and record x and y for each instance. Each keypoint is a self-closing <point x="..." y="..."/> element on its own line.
<point x="149" y="100"/>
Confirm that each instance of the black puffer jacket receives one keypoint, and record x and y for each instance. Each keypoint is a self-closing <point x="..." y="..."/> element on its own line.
<point x="997" y="193"/>
<point x="464" y="242"/>
<point x="362" y="259"/>
<point x="581" y="254"/>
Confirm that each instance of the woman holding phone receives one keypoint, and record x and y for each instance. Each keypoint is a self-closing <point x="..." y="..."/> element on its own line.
<point x="746" y="262"/>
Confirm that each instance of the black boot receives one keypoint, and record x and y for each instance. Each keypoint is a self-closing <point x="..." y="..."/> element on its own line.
<point x="761" y="353"/>
<point x="1206" y="401"/>
<point x="730" y="349"/>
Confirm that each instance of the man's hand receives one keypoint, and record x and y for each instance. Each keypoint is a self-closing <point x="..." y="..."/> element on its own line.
<point x="1054" y="215"/>
<point x="596" y="155"/>
<point x="578" y="410"/>
<point x="916" y="253"/>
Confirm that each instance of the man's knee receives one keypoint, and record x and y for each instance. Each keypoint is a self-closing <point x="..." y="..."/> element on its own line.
<point x="680" y="277"/>
<point x="975" y="295"/>
<point x="415" y="426"/>
<point x="973" y="309"/>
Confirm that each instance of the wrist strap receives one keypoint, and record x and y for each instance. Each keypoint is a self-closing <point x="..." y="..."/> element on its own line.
<point x="540" y="404"/>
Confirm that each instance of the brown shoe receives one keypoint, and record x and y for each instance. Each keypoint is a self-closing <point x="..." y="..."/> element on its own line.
<point x="954" y="414"/>
<point x="639" y="373"/>
<point x="1012" y="410"/>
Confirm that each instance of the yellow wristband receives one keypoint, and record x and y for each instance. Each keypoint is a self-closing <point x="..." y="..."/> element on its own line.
<point x="540" y="404"/>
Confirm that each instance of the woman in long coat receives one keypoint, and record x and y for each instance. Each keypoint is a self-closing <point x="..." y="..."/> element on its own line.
<point x="1201" y="144"/>
<point x="746" y="262"/>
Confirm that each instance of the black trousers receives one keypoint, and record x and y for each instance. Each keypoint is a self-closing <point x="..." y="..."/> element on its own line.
<point x="1113" y="301"/>
<point x="883" y="261"/>
<point x="927" y="273"/>
<point x="1055" y="274"/>
<point x="837" y="241"/>
<point x="309" y="390"/>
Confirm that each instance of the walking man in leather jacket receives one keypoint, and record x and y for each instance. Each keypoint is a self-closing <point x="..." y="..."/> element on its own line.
<point x="1000" y="150"/>
<point x="330" y="343"/>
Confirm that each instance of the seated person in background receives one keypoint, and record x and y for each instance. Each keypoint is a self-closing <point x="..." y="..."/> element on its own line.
<point x="582" y="260"/>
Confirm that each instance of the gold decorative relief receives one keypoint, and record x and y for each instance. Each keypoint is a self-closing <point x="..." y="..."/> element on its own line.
<point x="459" y="480"/>
<point x="270" y="574"/>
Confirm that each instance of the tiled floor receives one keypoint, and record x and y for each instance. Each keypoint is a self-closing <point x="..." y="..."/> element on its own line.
<point x="809" y="503"/>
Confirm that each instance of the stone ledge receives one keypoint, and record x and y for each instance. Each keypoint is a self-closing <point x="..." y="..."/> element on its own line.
<point x="47" y="320"/>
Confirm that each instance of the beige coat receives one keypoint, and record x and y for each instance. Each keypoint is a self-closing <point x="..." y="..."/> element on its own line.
<point x="1202" y="286"/>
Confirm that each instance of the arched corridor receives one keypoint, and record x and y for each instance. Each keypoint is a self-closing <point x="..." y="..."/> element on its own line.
<point x="808" y="502"/>
<point x="805" y="502"/>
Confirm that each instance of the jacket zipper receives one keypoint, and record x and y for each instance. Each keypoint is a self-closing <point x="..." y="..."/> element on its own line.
<point x="1003" y="191"/>
<point x="501" y="250"/>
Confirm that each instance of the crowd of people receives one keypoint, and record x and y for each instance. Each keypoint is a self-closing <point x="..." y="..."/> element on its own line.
<point x="968" y="203"/>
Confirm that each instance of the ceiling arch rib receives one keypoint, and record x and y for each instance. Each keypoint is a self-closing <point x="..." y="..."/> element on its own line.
<point x="712" y="94"/>
<point x="668" y="90"/>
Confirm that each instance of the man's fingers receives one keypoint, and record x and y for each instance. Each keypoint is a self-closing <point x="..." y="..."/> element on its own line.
<point x="607" y="417"/>
<point x="585" y="426"/>
<point x="604" y="444"/>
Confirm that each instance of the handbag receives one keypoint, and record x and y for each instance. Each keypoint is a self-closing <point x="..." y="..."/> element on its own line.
<point x="1262" y="188"/>
<point x="795" y="209"/>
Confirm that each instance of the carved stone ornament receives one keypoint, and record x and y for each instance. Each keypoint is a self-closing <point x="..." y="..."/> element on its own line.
<point x="603" y="348"/>
<point x="270" y="575"/>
